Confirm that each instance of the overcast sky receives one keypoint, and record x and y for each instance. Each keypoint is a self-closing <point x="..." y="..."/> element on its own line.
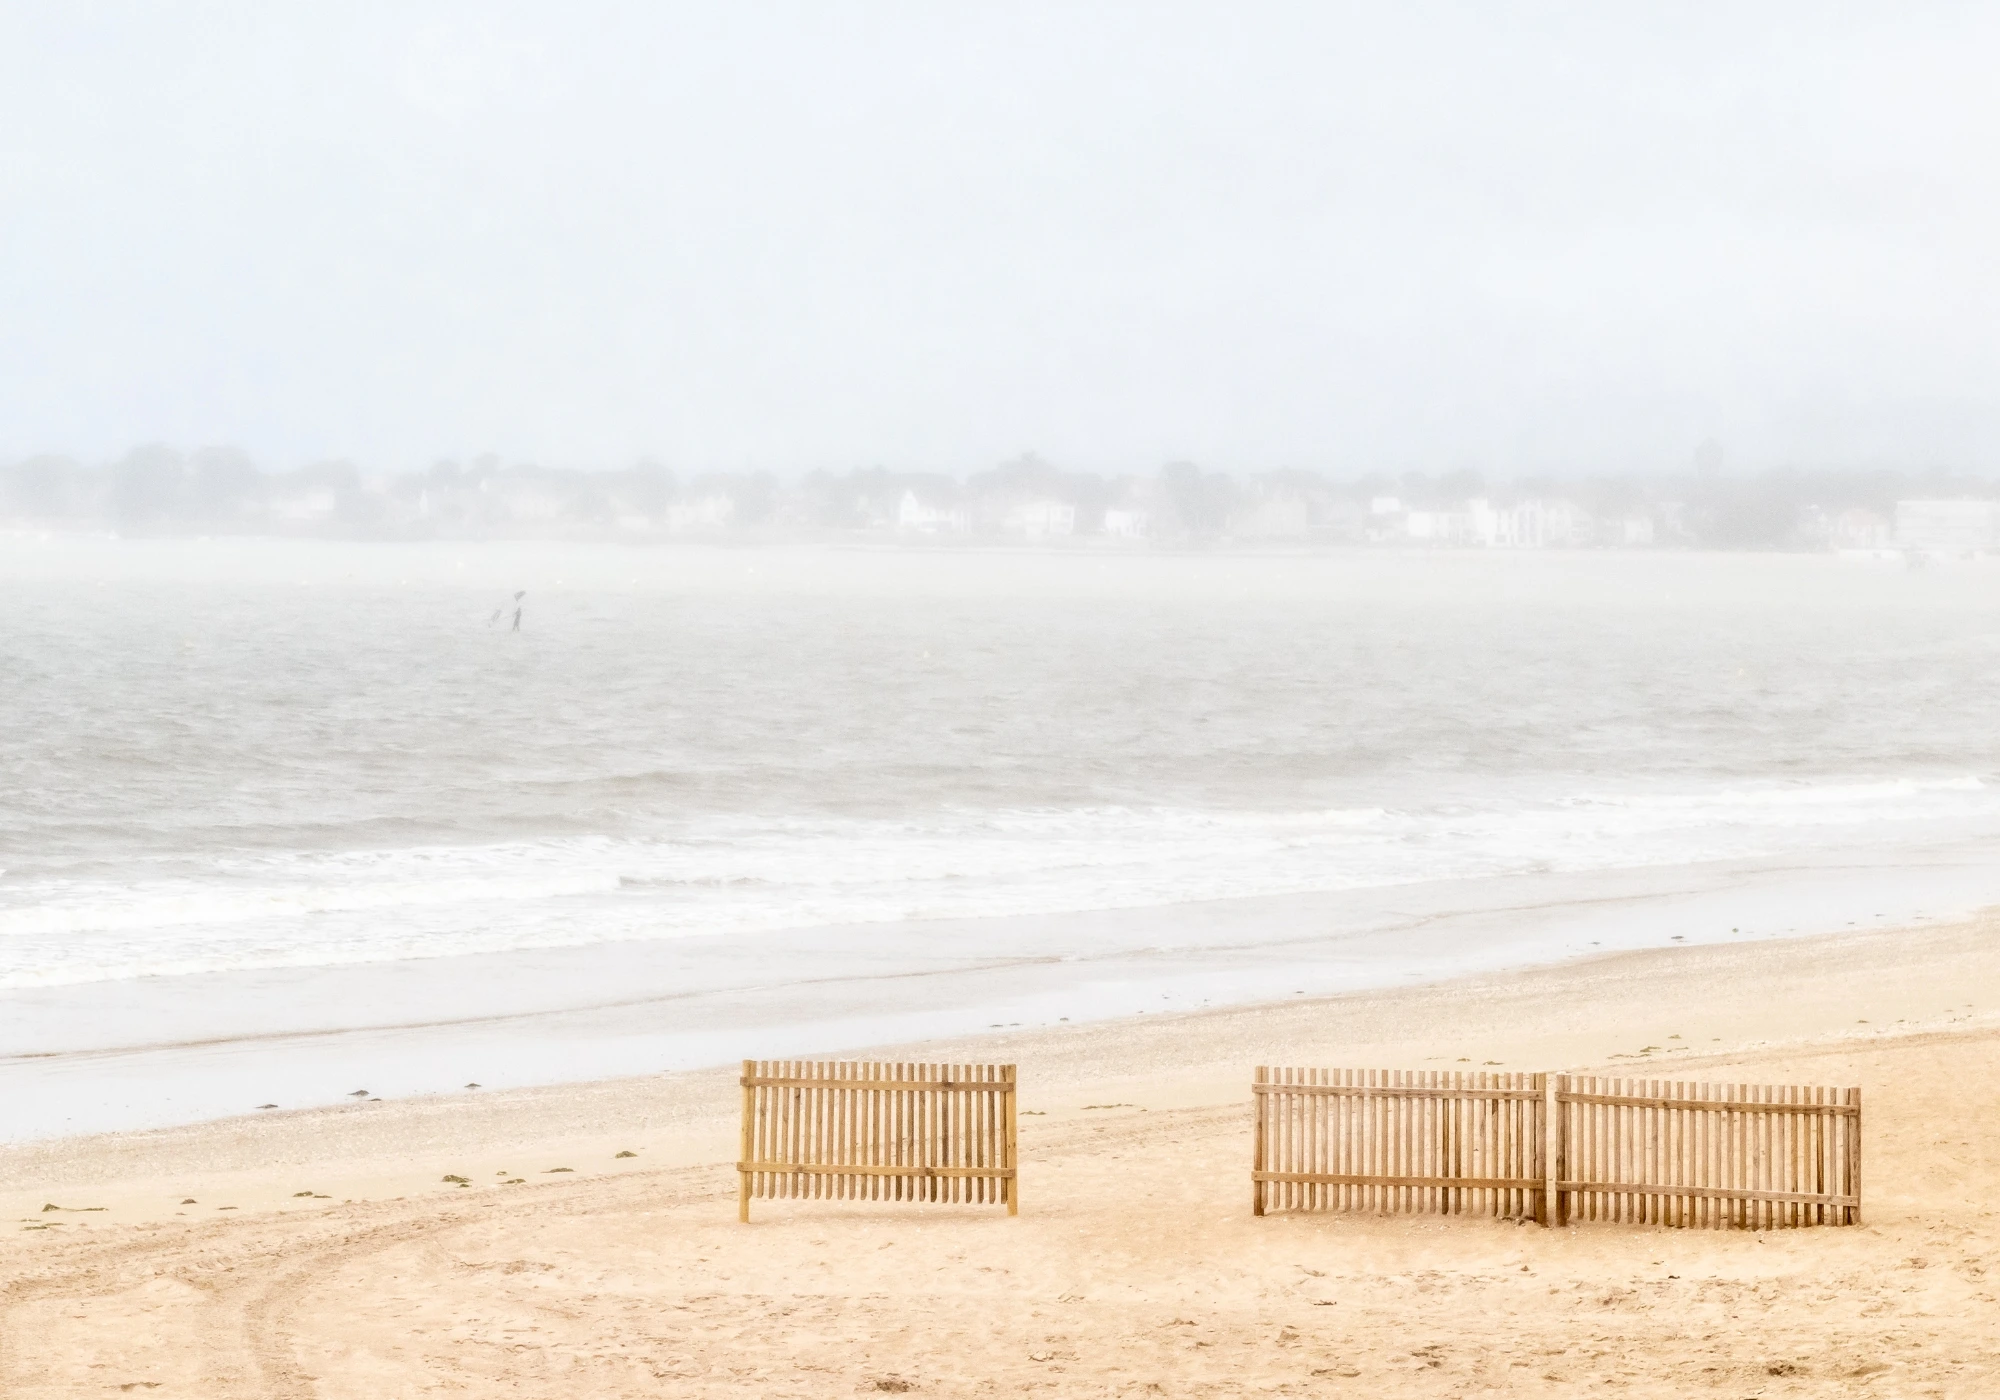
<point x="1398" y="236"/>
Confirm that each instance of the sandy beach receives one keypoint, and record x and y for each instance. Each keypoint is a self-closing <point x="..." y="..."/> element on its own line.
<point x="325" y="1254"/>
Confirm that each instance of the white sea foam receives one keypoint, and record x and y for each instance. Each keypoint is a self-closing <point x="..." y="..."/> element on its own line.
<point x="197" y="774"/>
<point x="742" y="874"/>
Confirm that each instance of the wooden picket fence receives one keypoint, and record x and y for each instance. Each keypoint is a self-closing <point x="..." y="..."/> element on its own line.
<point x="1399" y="1140"/>
<point x="1650" y="1152"/>
<point x="1557" y="1147"/>
<point x="860" y="1130"/>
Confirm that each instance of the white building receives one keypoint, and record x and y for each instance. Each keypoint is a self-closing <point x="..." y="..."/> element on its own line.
<point x="1283" y="515"/>
<point x="311" y="505"/>
<point x="1534" y="524"/>
<point x="1530" y="524"/>
<point x="1856" y="528"/>
<point x="1948" y="527"/>
<point x="1125" y="523"/>
<point x="530" y="503"/>
<point x="922" y="518"/>
<point x="1441" y="526"/>
<point x="1633" y="532"/>
<point x="1039" y="519"/>
<point x="1385" y="523"/>
<point x="711" y="512"/>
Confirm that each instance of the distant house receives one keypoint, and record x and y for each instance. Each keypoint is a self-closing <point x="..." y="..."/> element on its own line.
<point x="1530" y="524"/>
<point x="532" y="503"/>
<point x="1038" y="519"/>
<point x="1125" y="523"/>
<point x="1387" y="521"/>
<point x="711" y="512"/>
<point x="1439" y="526"/>
<point x="1276" y="515"/>
<point x="1948" y="527"/>
<point x="1633" y="532"/>
<point x="923" y="518"/>
<point x="315" y="504"/>
<point x="1856" y="528"/>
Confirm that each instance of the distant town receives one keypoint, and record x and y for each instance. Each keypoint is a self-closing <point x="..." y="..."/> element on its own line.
<point x="157" y="491"/>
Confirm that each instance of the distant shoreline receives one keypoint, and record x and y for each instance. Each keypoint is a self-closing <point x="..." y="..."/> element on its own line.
<point x="891" y="542"/>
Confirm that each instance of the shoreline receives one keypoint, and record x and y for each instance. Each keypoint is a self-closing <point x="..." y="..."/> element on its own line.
<point x="148" y="1053"/>
<point x="1514" y="1018"/>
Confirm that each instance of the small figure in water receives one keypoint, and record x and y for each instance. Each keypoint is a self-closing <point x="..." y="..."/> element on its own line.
<point x="502" y="609"/>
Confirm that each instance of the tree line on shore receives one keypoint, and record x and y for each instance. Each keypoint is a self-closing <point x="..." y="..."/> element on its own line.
<point x="160" y="491"/>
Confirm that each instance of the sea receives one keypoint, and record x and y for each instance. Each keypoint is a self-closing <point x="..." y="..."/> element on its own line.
<point x="227" y="757"/>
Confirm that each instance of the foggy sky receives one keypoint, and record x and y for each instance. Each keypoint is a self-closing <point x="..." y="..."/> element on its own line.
<point x="1344" y="238"/>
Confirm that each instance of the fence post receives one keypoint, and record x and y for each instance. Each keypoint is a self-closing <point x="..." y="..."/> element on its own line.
<point x="1548" y="1210"/>
<point x="1257" y="1164"/>
<point x="1541" y="1149"/>
<point x="748" y="1145"/>
<point x="1012" y="1183"/>
<point x="1854" y="1157"/>
<point x="1555" y="1152"/>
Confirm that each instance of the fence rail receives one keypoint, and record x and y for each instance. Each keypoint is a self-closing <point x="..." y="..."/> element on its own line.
<point x="858" y="1130"/>
<point x="1556" y="1147"/>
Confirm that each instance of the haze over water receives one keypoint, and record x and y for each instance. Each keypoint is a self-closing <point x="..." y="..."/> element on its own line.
<point x="243" y="755"/>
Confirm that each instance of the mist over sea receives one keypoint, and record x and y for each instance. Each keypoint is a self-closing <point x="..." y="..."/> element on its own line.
<point x="254" y="754"/>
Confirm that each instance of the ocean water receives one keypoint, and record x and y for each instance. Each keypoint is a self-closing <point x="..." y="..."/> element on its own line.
<point x="230" y="755"/>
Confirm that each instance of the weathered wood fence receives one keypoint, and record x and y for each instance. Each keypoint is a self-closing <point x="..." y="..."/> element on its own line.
<point x="1650" y="1152"/>
<point x="1399" y="1140"/>
<point x="1557" y="1147"/>
<point x="854" y="1130"/>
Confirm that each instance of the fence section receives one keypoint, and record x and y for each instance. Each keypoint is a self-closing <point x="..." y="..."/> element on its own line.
<point x="1432" y="1141"/>
<point x="1557" y="1147"/>
<point x="851" y="1130"/>
<point x="1646" y="1151"/>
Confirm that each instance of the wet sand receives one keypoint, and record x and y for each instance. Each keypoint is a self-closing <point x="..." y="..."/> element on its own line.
<point x="322" y="1253"/>
<point x="155" y="1052"/>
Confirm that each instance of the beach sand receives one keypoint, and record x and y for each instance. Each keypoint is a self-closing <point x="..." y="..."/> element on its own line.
<point x="322" y="1253"/>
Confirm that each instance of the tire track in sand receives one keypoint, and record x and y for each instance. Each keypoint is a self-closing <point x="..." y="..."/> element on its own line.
<point x="268" y="1327"/>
